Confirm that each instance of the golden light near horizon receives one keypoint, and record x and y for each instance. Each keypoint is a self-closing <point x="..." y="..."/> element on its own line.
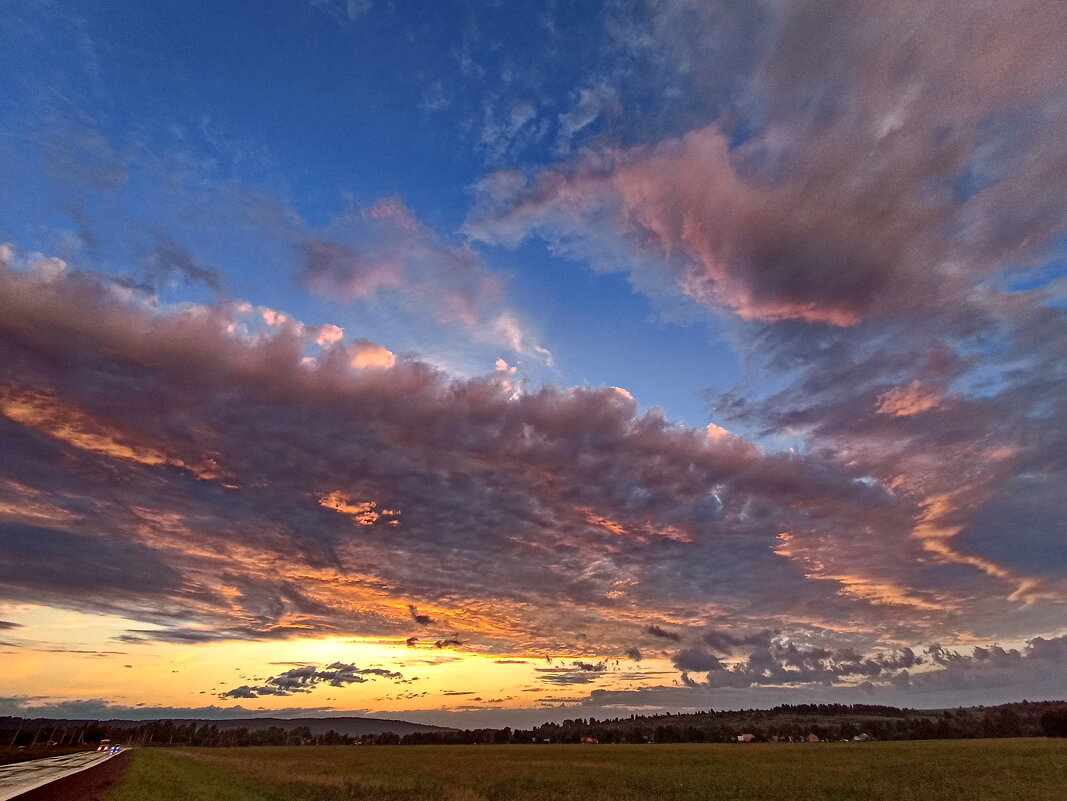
<point x="80" y="655"/>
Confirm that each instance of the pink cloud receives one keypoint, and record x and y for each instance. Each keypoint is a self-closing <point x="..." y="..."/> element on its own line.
<point x="345" y="273"/>
<point x="383" y="248"/>
<point x="510" y="499"/>
<point x="841" y="200"/>
<point x="368" y="354"/>
<point x="911" y="398"/>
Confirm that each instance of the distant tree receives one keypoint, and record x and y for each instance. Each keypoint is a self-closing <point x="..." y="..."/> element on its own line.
<point x="1054" y="721"/>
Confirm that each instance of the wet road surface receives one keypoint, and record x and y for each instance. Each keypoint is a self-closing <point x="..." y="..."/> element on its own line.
<point x="24" y="776"/>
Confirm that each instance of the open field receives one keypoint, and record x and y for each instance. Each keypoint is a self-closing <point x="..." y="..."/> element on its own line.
<point x="946" y="770"/>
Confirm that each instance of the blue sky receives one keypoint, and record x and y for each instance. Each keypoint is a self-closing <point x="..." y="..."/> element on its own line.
<point x="589" y="319"/>
<point x="312" y="112"/>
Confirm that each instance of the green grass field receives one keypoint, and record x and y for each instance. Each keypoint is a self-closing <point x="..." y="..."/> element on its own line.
<point x="946" y="770"/>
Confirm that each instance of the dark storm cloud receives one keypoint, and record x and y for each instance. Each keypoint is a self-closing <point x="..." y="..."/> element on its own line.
<point x="6" y="625"/>
<point x="937" y="672"/>
<point x="591" y="667"/>
<point x="779" y="661"/>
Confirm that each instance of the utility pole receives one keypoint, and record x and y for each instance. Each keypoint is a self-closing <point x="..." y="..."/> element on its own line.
<point x="18" y="731"/>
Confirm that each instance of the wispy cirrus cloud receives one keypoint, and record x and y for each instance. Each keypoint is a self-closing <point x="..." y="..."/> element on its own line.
<point x="384" y="250"/>
<point x="346" y="12"/>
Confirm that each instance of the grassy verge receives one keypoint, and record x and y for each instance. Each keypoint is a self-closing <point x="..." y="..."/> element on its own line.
<point x="1005" y="770"/>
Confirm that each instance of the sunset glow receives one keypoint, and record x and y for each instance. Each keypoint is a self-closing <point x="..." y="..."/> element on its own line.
<point x="486" y="365"/>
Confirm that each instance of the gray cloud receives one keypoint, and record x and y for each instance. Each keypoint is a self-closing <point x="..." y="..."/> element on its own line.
<point x="725" y="642"/>
<point x="306" y="678"/>
<point x="422" y="620"/>
<point x="696" y="659"/>
<point x="169" y="262"/>
<point x="662" y="633"/>
<point x="68" y="568"/>
<point x="576" y="672"/>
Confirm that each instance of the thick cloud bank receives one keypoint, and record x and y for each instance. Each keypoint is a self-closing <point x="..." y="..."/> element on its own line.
<point x="871" y="206"/>
<point x="230" y="473"/>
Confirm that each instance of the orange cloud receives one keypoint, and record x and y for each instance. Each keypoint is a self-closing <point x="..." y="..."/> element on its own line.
<point x="25" y="503"/>
<point x="909" y="399"/>
<point x="366" y="513"/>
<point x="67" y="423"/>
<point x="368" y="354"/>
<point x="879" y="591"/>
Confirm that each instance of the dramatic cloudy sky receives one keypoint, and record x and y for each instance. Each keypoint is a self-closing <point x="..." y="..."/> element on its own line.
<point x="499" y="362"/>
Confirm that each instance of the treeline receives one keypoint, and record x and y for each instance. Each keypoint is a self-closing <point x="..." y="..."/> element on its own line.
<point x="18" y="733"/>
<point x="788" y="723"/>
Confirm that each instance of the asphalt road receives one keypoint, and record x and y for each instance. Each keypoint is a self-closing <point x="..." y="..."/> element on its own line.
<point x="21" y="777"/>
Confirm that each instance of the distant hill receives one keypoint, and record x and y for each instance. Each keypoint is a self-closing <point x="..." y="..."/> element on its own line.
<point x="351" y="726"/>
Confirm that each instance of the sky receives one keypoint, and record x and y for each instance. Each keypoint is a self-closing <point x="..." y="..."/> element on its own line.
<point x="494" y="363"/>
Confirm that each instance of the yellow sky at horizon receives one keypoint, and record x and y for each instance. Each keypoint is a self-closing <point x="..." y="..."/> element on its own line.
<point x="58" y="655"/>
